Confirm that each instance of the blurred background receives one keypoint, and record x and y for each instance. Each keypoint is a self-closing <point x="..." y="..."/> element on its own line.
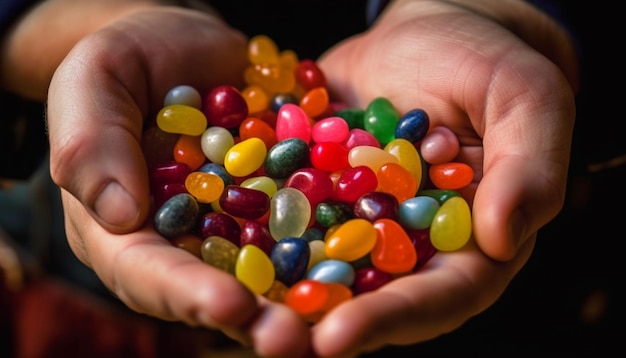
<point x="565" y="301"/>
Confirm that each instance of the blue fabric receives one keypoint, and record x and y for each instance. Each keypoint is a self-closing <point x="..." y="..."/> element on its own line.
<point x="10" y="9"/>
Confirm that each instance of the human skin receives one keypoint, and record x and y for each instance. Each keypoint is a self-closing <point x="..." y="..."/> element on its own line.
<point x="456" y="59"/>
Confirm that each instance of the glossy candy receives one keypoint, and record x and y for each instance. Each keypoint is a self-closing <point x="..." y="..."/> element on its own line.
<point x="377" y="205"/>
<point x="290" y="257"/>
<point x="381" y="119"/>
<point x="253" y="127"/>
<point x="220" y="252"/>
<point x="245" y="157"/>
<point x="254" y="269"/>
<point x="176" y="216"/>
<point x="292" y="122"/>
<point x="351" y="240"/>
<point x="224" y="106"/>
<point x="394" y="251"/>
<point x="452" y="225"/>
<point x="369" y="279"/>
<point x="407" y="155"/>
<point x="329" y="156"/>
<point x="332" y="271"/>
<point x="331" y="214"/>
<point x="315" y="101"/>
<point x="215" y="143"/>
<point x="454" y="175"/>
<point x="181" y="119"/>
<point x="330" y="129"/>
<point x="372" y="157"/>
<point x="290" y="213"/>
<point x="418" y="212"/>
<point x="219" y="224"/>
<point x="183" y="94"/>
<point x="413" y="125"/>
<point x="205" y="187"/>
<point x="286" y="157"/>
<point x="256" y="99"/>
<point x="313" y="183"/>
<point x="396" y="180"/>
<point x="255" y="233"/>
<point x="355" y="182"/>
<point x="309" y="75"/>
<point x="307" y="296"/>
<point x="243" y="202"/>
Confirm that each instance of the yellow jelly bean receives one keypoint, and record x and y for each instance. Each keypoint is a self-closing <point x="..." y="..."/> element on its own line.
<point x="317" y="252"/>
<point x="407" y="155"/>
<point x="262" y="49"/>
<point x="245" y="157"/>
<point x="261" y="183"/>
<point x="254" y="269"/>
<point x="352" y="240"/>
<point x="181" y="119"/>
<point x="205" y="187"/>
<point x="452" y="225"/>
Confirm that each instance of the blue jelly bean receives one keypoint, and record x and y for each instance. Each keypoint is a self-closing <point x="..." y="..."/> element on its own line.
<point x="418" y="212"/>
<point x="290" y="257"/>
<point x="332" y="271"/>
<point x="176" y="216"/>
<point x="413" y="125"/>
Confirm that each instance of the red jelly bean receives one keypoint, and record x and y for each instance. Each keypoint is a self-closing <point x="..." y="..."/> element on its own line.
<point x="369" y="279"/>
<point x="253" y="127"/>
<point x="355" y="182"/>
<point x="307" y="296"/>
<point x="329" y="156"/>
<point x="453" y="175"/>
<point x="224" y="106"/>
<point x="309" y="75"/>
<point x="220" y="224"/>
<point x="394" y="251"/>
<point x="244" y="203"/>
<point x="315" y="184"/>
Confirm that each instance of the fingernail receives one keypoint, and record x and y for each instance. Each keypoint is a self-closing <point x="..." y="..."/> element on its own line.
<point x="116" y="206"/>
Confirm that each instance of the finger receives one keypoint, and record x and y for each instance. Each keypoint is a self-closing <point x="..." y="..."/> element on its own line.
<point x="109" y="84"/>
<point x="152" y="276"/>
<point x="441" y="297"/>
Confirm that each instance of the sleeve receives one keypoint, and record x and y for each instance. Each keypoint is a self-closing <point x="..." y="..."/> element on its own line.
<point x="10" y="9"/>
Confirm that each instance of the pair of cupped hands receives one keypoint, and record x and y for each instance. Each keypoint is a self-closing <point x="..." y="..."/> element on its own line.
<point x="499" y="74"/>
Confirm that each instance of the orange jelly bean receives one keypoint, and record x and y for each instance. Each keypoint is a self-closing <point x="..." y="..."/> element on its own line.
<point x="315" y="101"/>
<point x="256" y="99"/>
<point x="394" y="251"/>
<point x="394" y="179"/>
<point x="253" y="127"/>
<point x="188" y="150"/>
<point x="205" y="187"/>
<point x="453" y="175"/>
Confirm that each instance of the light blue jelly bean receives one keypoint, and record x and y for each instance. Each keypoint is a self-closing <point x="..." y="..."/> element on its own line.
<point x="332" y="271"/>
<point x="418" y="212"/>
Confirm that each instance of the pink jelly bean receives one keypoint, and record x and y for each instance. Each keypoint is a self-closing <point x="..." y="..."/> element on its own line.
<point x="292" y="122"/>
<point x="330" y="129"/>
<point x="357" y="137"/>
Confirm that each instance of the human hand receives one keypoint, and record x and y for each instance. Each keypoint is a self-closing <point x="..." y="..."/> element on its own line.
<point x="476" y="68"/>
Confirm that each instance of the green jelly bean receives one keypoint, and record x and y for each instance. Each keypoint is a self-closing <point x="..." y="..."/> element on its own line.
<point x="381" y="119"/>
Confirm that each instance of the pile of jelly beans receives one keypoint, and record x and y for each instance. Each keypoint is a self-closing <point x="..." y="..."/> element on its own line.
<point x="303" y="200"/>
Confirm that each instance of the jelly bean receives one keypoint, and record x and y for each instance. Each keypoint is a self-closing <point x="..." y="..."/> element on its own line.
<point x="277" y="292"/>
<point x="351" y="240"/>
<point x="315" y="102"/>
<point x="332" y="271"/>
<point x="357" y="137"/>
<point x="452" y="225"/>
<point x="183" y="94"/>
<point x="205" y="187"/>
<point x="418" y="212"/>
<point x="337" y="294"/>
<point x="313" y="183"/>
<point x="312" y="234"/>
<point x="413" y="125"/>
<point x="292" y="122"/>
<point x="376" y="205"/>
<point x="394" y="251"/>
<point x="177" y="216"/>
<point x="307" y="296"/>
<point x="215" y="142"/>
<point x="381" y="119"/>
<point x="261" y="183"/>
<point x="256" y="99"/>
<point x="353" y="116"/>
<point x="396" y="180"/>
<point x="162" y="193"/>
<point x="290" y="213"/>
<point x="219" y="224"/>
<point x="309" y="75"/>
<point x="181" y="119"/>
<point x="453" y="175"/>
<point x="170" y="172"/>
<point x="255" y="233"/>
<point x="158" y="146"/>
<point x="253" y="127"/>
<point x="243" y="202"/>
<point x="372" y="157"/>
<point x="254" y="269"/>
<point x="290" y="257"/>
<point x="331" y="214"/>
<point x="407" y="155"/>
<point x="440" y="195"/>
<point x="330" y="129"/>
<point x="220" y="252"/>
<point x="189" y="151"/>
<point x="423" y="246"/>
<point x="190" y="243"/>
<point x="245" y="157"/>
<point x="439" y="146"/>
<point x="224" y="106"/>
<point x="329" y="156"/>
<point x="369" y="279"/>
<point x="355" y="182"/>
<point x="262" y="49"/>
<point x="280" y="99"/>
<point x="288" y="60"/>
<point x="286" y="157"/>
<point x="316" y="248"/>
<point x="219" y="170"/>
<point x="273" y="78"/>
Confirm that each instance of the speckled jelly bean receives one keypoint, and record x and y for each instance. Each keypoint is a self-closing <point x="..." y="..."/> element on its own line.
<point x="413" y="125"/>
<point x="290" y="257"/>
<point x="407" y="155"/>
<point x="376" y="205"/>
<point x="183" y="94"/>
<point x="313" y="183"/>
<point x="381" y="119"/>
<point x="418" y="212"/>
<point x="354" y="182"/>
<point x="372" y="157"/>
<point x="331" y="214"/>
<point x="243" y="202"/>
<point x="255" y="233"/>
<point x="315" y="101"/>
<point x="330" y="129"/>
<point x="286" y="157"/>
<point x="332" y="271"/>
<point x="290" y="213"/>
<point x="253" y="127"/>
<point x="205" y="187"/>
<point x="453" y="175"/>
<point x="219" y="224"/>
<point x="181" y="119"/>
<point x="176" y="216"/>
<point x="451" y="228"/>
<point x="351" y="240"/>
<point x="292" y="122"/>
<point x="215" y="143"/>
<point x="394" y="251"/>
<point x="329" y="156"/>
<point x="245" y="157"/>
<point x="254" y="269"/>
<point x="220" y="252"/>
<point x="224" y="106"/>
<point x="369" y="279"/>
<point x="309" y="75"/>
<point x="396" y="180"/>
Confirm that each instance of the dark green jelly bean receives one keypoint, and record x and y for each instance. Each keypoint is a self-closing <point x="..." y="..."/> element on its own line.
<point x="177" y="216"/>
<point x="329" y="214"/>
<point x="352" y="116"/>
<point x="285" y="157"/>
<point x="441" y="195"/>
